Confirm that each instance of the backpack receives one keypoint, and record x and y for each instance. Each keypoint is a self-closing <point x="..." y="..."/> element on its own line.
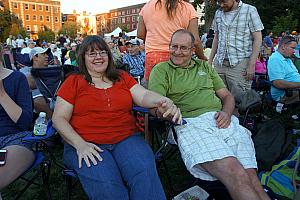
<point x="279" y="182"/>
<point x="271" y="143"/>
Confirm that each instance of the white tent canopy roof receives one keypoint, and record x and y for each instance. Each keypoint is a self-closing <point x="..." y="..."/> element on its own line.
<point x="114" y="33"/>
<point x="132" y="33"/>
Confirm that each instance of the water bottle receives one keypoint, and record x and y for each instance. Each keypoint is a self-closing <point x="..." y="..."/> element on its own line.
<point x="40" y="125"/>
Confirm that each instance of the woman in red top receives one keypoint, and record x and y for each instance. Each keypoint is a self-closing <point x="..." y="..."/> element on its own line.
<point x="93" y="115"/>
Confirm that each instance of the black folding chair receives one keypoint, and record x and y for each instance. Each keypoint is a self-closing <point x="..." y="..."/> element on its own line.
<point x="48" y="81"/>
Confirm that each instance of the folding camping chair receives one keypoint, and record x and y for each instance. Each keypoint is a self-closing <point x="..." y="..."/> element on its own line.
<point x="41" y="164"/>
<point x="48" y="81"/>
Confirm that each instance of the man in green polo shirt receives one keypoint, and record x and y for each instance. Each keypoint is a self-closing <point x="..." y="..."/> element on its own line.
<point x="212" y="144"/>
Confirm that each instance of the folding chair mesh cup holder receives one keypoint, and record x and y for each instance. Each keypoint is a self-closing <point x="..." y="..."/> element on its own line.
<point x="40" y="163"/>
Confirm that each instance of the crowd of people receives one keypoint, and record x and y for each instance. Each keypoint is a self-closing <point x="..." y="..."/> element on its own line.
<point x="167" y="68"/>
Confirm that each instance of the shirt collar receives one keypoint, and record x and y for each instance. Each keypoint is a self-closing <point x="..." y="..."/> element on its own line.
<point x="281" y="56"/>
<point x="192" y="64"/>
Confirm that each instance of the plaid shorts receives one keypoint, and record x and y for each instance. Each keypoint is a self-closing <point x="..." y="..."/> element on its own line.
<point x="15" y="139"/>
<point x="153" y="58"/>
<point x="201" y="141"/>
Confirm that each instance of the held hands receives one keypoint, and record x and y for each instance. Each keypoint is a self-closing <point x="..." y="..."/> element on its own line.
<point x="169" y="110"/>
<point x="223" y="120"/>
<point x="89" y="152"/>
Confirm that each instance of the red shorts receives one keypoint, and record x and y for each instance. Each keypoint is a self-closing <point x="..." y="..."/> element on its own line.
<point x="153" y="58"/>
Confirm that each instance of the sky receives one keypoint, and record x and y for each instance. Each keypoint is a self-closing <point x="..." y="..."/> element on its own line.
<point x="95" y="6"/>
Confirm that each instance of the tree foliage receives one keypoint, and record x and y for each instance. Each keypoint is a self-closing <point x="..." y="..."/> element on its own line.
<point x="285" y="23"/>
<point x="70" y="28"/>
<point x="10" y="24"/>
<point x="46" y="35"/>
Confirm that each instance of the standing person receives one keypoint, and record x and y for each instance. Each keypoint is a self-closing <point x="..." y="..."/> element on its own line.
<point x="15" y="120"/>
<point x="158" y="20"/>
<point x="268" y="44"/>
<point x="236" y="44"/>
<point x="93" y="113"/>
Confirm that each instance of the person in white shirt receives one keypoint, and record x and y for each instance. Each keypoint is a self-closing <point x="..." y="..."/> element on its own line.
<point x="31" y="45"/>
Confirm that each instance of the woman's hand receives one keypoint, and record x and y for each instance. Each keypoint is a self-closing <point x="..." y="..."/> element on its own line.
<point x="89" y="152"/>
<point x="223" y="120"/>
<point x="169" y="110"/>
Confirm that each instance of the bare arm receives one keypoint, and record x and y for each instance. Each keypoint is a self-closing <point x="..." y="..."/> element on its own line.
<point x="85" y="150"/>
<point x="282" y="84"/>
<point x="223" y="118"/>
<point x="13" y="110"/>
<point x="193" y="28"/>
<point x="141" y="31"/>
<point x="257" y="40"/>
<point x="149" y="99"/>
<point x="214" y="48"/>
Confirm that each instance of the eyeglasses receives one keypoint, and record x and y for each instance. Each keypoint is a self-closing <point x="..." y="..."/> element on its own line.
<point x="101" y="53"/>
<point x="181" y="48"/>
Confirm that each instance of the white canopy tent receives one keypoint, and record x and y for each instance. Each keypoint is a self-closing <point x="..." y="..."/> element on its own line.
<point x="132" y="33"/>
<point x="114" y="33"/>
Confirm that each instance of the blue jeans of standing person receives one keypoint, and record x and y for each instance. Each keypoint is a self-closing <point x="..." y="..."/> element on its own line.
<point x="127" y="171"/>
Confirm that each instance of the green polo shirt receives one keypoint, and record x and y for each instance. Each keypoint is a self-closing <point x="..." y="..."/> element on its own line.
<point x="192" y="88"/>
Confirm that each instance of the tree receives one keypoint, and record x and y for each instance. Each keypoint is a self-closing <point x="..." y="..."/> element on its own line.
<point x="70" y="28"/>
<point x="210" y="7"/>
<point x="46" y="35"/>
<point x="10" y="24"/>
<point x="285" y="23"/>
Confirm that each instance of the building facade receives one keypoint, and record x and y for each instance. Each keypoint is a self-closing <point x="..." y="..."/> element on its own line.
<point x="36" y="14"/>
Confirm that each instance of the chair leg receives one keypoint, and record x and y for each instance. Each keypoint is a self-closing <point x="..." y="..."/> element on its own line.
<point x="30" y="182"/>
<point x="45" y="177"/>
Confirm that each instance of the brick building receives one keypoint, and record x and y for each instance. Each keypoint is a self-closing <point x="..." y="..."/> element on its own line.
<point x="125" y="18"/>
<point x="35" y="14"/>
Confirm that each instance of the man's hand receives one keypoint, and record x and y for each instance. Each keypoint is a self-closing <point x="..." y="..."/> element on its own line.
<point x="250" y="72"/>
<point x="88" y="151"/>
<point x="223" y="119"/>
<point x="169" y="110"/>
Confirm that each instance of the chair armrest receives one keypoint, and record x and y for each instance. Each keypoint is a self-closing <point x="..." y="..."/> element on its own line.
<point x="49" y="132"/>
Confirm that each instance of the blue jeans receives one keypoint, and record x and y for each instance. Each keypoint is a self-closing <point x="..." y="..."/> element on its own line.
<point x="127" y="171"/>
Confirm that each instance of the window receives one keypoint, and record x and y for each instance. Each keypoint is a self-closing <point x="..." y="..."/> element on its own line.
<point x="123" y="20"/>
<point x="128" y="12"/>
<point x="27" y="17"/>
<point x="138" y="10"/>
<point x="27" y="28"/>
<point x="15" y="4"/>
<point x="48" y="18"/>
<point x="119" y="13"/>
<point x="133" y="18"/>
<point x="123" y="12"/>
<point x="47" y="8"/>
<point x="56" y="19"/>
<point x="33" y="6"/>
<point x="133" y="26"/>
<point x="119" y="20"/>
<point x="128" y="26"/>
<point x="34" y="17"/>
<point x="133" y="11"/>
<point x="41" y="18"/>
<point x="35" y="28"/>
<point x="26" y="6"/>
<point x="55" y="10"/>
<point x="127" y="19"/>
<point x="40" y="8"/>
